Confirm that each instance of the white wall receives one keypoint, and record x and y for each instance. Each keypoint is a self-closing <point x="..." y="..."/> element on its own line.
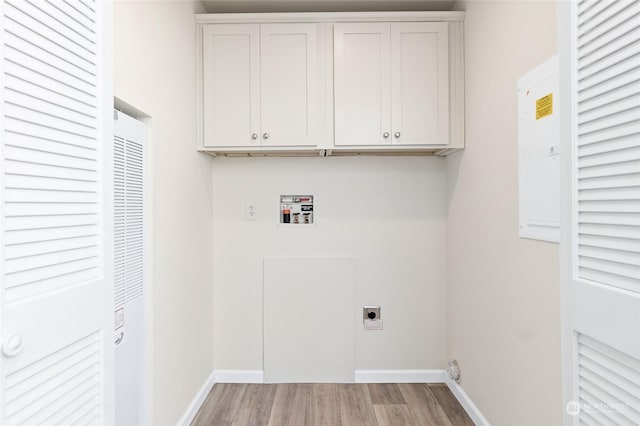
<point x="386" y="212"/>
<point x="155" y="72"/>
<point x="503" y="291"/>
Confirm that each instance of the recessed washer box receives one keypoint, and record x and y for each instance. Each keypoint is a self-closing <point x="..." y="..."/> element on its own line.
<point x="296" y="209"/>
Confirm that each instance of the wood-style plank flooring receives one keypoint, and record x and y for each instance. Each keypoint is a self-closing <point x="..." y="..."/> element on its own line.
<point x="388" y="404"/>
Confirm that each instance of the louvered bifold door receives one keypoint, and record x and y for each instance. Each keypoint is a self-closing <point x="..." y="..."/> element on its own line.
<point x="55" y="225"/>
<point x="605" y="292"/>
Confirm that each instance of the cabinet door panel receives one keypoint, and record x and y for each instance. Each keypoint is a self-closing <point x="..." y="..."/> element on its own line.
<point x="362" y="84"/>
<point x="289" y="84"/>
<point x="231" y="83"/>
<point x="420" y="83"/>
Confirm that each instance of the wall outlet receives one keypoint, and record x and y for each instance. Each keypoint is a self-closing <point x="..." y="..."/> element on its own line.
<point x="371" y="313"/>
<point x="250" y="211"/>
<point x="371" y="318"/>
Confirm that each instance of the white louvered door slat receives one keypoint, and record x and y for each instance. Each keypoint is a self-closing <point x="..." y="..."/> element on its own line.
<point x="602" y="125"/>
<point x="602" y="356"/>
<point x="55" y="213"/>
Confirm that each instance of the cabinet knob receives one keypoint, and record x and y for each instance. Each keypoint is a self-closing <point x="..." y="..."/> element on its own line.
<point x="254" y="136"/>
<point x="396" y="134"/>
<point x="385" y="135"/>
<point x="13" y="345"/>
<point x="265" y="136"/>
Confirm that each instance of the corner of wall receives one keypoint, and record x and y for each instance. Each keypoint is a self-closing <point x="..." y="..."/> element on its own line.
<point x="155" y="59"/>
<point x="498" y="284"/>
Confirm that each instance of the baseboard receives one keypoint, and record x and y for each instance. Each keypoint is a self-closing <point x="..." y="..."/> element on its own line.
<point x="466" y="402"/>
<point x="400" y="376"/>
<point x="239" y="376"/>
<point x="361" y="376"/>
<point x="198" y="400"/>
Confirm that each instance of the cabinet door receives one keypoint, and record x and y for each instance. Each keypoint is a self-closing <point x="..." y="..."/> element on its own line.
<point x="231" y="84"/>
<point x="289" y="84"/>
<point x="420" y="83"/>
<point x="362" y="63"/>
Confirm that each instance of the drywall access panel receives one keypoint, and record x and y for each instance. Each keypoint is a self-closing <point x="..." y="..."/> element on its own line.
<point x="279" y="84"/>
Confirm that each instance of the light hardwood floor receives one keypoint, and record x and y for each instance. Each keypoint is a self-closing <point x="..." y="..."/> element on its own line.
<point x="388" y="404"/>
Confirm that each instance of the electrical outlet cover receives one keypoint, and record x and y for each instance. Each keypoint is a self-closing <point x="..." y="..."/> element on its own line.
<point x="250" y="211"/>
<point x="373" y="324"/>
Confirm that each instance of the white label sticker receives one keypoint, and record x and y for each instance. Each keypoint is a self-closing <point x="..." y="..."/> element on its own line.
<point x="119" y="318"/>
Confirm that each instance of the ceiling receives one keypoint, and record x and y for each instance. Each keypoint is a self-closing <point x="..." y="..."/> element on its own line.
<point x="253" y="6"/>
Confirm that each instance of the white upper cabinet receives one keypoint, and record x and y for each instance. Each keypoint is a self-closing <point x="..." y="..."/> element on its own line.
<point x="289" y="81"/>
<point x="261" y="85"/>
<point x="362" y="64"/>
<point x="420" y="83"/>
<point x="331" y="83"/>
<point x="231" y="85"/>
<point x="391" y="84"/>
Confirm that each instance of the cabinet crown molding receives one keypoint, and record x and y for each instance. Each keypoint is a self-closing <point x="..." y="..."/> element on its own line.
<point x="328" y="17"/>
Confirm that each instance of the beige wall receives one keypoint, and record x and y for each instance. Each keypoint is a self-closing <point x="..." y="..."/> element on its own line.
<point x="388" y="213"/>
<point x="155" y="72"/>
<point x="503" y="291"/>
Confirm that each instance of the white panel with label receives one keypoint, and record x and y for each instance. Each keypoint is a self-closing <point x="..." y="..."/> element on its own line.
<point x="539" y="157"/>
